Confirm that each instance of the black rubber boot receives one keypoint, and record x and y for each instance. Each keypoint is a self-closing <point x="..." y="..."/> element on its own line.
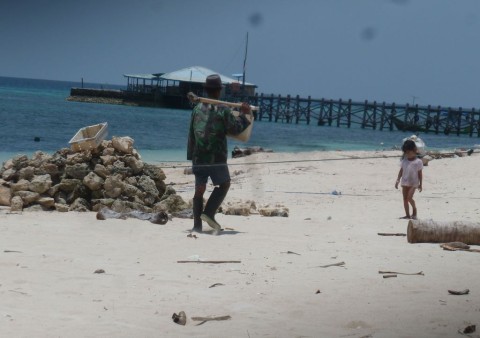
<point x="197" y="212"/>
<point x="213" y="203"/>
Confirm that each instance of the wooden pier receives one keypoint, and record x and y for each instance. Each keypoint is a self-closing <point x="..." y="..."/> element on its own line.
<point x="373" y="115"/>
<point x="323" y="112"/>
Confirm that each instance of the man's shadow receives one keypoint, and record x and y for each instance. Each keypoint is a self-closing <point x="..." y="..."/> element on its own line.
<point x="214" y="233"/>
<point x="230" y="232"/>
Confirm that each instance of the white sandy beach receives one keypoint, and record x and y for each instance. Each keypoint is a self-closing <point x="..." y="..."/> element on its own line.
<point x="49" y="289"/>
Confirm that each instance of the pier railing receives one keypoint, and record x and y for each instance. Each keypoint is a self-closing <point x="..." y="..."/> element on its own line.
<point x="372" y="115"/>
<point x="322" y="112"/>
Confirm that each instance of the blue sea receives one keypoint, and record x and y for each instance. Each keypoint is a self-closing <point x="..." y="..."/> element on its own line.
<point x="32" y="109"/>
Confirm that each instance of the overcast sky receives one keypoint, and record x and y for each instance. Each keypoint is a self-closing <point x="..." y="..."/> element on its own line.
<point x="384" y="50"/>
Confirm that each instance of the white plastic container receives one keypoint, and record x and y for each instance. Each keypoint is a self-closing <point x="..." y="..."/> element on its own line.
<point x="88" y="138"/>
<point x="244" y="136"/>
<point x="418" y="142"/>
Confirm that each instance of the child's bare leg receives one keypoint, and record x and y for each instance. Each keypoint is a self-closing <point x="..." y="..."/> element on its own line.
<point x="412" y="202"/>
<point x="405" y="191"/>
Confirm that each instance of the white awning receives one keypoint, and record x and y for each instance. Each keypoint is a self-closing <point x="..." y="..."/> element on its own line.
<point x="197" y="74"/>
<point x="142" y="76"/>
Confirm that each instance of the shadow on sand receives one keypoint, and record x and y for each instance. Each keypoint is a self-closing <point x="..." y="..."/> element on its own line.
<point x="214" y="233"/>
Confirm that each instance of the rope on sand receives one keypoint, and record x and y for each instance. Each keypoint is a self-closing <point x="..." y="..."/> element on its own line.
<point x="287" y="161"/>
<point x="276" y="162"/>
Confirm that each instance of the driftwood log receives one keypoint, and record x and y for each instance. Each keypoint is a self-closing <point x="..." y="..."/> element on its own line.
<point x="429" y="231"/>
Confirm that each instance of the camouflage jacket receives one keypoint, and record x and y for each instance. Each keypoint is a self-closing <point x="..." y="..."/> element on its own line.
<point x="209" y="126"/>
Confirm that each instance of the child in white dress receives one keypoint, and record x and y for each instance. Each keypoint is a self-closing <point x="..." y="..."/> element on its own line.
<point x="411" y="177"/>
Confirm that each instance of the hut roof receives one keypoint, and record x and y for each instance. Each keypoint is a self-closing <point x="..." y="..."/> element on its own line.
<point x="142" y="76"/>
<point x="197" y="74"/>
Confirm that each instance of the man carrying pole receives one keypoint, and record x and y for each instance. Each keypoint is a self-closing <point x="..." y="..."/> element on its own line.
<point x="207" y="149"/>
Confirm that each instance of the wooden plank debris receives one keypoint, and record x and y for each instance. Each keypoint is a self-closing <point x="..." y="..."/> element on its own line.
<point x="329" y="265"/>
<point x="216" y="284"/>
<point x="459" y="293"/>
<point x="203" y="320"/>
<point x="290" y="252"/>
<point x="450" y="247"/>
<point x="389" y="276"/>
<point x="420" y="273"/>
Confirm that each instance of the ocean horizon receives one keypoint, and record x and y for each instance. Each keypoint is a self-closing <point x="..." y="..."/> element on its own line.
<point x="35" y="109"/>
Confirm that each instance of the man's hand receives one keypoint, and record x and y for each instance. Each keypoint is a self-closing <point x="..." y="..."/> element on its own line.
<point x="396" y="184"/>
<point x="192" y="97"/>
<point x="420" y="188"/>
<point x="245" y="108"/>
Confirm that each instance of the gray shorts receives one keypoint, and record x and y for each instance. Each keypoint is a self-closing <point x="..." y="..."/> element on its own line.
<point x="218" y="173"/>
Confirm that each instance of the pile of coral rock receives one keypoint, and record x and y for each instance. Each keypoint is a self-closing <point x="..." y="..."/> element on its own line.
<point x="112" y="175"/>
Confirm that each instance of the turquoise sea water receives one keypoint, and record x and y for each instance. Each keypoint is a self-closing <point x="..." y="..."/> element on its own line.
<point x="38" y="108"/>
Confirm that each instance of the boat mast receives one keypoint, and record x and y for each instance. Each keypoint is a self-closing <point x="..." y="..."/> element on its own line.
<point x="244" y="66"/>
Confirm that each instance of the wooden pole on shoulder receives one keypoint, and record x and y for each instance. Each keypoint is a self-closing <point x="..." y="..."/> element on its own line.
<point x="194" y="98"/>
